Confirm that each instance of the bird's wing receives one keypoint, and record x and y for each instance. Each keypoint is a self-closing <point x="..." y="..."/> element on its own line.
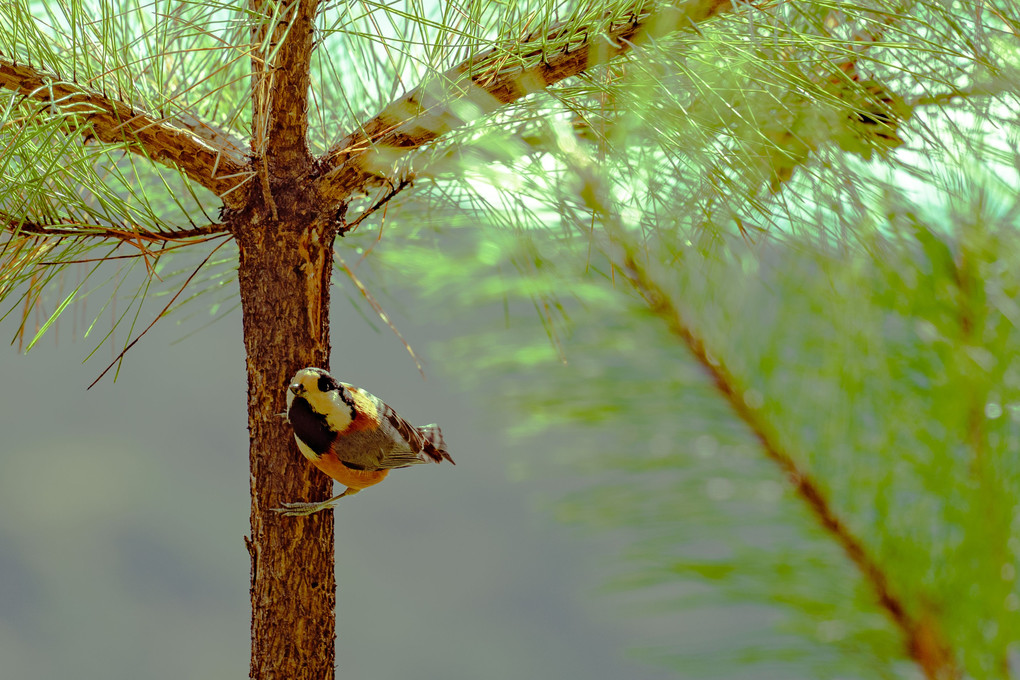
<point x="410" y="443"/>
<point x="380" y="439"/>
<point x="373" y="449"/>
<point x="413" y="444"/>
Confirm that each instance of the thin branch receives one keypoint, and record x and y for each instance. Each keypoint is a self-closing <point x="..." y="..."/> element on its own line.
<point x="483" y="83"/>
<point x="347" y="227"/>
<point x="74" y="229"/>
<point x="158" y="316"/>
<point x="219" y="168"/>
<point x="380" y="311"/>
<point x="923" y="639"/>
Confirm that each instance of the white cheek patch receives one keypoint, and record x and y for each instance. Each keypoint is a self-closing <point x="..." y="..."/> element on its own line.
<point x="338" y="414"/>
<point x="339" y="417"/>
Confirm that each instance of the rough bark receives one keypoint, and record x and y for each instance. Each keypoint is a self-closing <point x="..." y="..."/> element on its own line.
<point x="284" y="271"/>
<point x="280" y="92"/>
<point x="286" y="260"/>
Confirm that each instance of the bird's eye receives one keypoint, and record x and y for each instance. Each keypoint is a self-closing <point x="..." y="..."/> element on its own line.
<point x="327" y="383"/>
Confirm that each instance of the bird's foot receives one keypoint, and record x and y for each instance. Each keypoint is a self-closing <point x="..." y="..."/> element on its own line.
<point x="303" y="509"/>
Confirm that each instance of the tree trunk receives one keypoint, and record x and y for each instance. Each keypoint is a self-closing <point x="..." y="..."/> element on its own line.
<point x="284" y="273"/>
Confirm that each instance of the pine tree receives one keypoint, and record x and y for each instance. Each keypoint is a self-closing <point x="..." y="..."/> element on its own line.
<point x="772" y="299"/>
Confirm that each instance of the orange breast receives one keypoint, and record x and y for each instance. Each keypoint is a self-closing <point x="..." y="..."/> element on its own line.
<point x="355" y="479"/>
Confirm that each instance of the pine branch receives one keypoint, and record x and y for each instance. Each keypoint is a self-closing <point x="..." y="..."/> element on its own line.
<point x="922" y="635"/>
<point x="211" y="134"/>
<point x="159" y="316"/>
<point x="347" y="227"/>
<point x="218" y="168"/>
<point x="76" y="229"/>
<point x="483" y="83"/>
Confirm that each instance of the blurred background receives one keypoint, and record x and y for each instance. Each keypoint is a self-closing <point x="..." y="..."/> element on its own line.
<point x="122" y="512"/>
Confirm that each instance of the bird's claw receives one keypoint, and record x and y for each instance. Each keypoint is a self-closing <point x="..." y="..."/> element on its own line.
<point x="303" y="509"/>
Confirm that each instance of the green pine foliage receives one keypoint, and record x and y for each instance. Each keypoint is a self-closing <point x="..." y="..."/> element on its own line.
<point x="887" y="372"/>
<point x="843" y="254"/>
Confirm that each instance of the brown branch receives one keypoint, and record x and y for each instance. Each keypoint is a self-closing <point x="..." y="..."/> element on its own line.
<point x="218" y="168"/>
<point x="347" y="227"/>
<point x="211" y="134"/>
<point x="922" y="637"/>
<point x="159" y="316"/>
<point x="482" y="84"/>
<point x="383" y="316"/>
<point x="73" y="229"/>
<point x="280" y="79"/>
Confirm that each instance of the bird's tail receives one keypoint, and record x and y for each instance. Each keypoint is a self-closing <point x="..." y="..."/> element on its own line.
<point x="435" y="446"/>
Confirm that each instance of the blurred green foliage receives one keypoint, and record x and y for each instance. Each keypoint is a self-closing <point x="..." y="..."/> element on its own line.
<point x="847" y="253"/>
<point x="888" y="370"/>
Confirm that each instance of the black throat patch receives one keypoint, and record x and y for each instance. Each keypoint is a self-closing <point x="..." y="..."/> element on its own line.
<point x="310" y="427"/>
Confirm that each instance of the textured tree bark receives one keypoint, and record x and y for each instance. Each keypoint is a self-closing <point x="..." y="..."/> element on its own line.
<point x="284" y="273"/>
<point x="286" y="259"/>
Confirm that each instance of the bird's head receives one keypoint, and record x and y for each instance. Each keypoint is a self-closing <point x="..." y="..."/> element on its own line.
<point x="315" y="389"/>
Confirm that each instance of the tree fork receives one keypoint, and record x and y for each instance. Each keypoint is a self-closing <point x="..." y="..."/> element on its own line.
<point x="284" y="273"/>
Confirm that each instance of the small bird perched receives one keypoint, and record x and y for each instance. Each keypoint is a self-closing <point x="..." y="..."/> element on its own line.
<point x="353" y="436"/>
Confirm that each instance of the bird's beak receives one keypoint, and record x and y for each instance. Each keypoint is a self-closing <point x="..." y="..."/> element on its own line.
<point x="297" y="388"/>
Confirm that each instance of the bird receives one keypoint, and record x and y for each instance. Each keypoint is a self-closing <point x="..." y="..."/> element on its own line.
<point x="352" y="436"/>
